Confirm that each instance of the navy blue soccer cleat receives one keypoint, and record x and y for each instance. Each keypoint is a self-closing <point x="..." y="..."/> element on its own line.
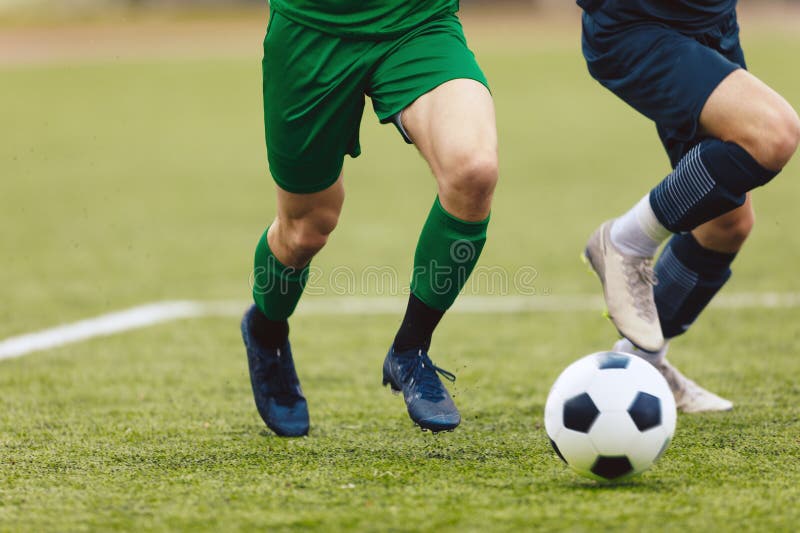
<point x="276" y="388"/>
<point x="428" y="402"/>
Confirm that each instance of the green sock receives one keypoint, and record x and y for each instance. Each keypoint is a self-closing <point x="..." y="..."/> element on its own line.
<point x="276" y="288"/>
<point x="447" y="251"/>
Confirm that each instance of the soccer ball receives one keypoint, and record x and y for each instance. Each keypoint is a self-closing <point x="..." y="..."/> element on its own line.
<point x="610" y="416"/>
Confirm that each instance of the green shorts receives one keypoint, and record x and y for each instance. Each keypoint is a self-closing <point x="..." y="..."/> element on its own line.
<point x="315" y="83"/>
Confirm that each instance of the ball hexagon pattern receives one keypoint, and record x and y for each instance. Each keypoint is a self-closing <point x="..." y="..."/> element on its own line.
<point x="610" y="416"/>
<point x="645" y="411"/>
<point x="580" y="413"/>
<point x="612" y="467"/>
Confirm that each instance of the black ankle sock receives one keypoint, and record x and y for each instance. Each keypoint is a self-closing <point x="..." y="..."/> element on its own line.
<point x="418" y="325"/>
<point x="270" y="334"/>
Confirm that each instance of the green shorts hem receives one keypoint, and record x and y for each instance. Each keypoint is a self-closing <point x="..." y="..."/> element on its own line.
<point x="387" y="116"/>
<point x="296" y="187"/>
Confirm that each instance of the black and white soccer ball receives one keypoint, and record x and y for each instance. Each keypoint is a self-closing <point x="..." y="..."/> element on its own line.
<point x="610" y="416"/>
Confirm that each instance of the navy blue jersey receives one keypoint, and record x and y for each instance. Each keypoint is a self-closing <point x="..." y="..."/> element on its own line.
<point x="682" y="14"/>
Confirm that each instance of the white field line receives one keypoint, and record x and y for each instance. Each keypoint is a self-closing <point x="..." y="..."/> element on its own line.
<point x="167" y="311"/>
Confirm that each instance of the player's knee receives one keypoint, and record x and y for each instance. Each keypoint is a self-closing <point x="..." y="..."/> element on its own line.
<point x="308" y="235"/>
<point x="776" y="147"/>
<point x="474" y="177"/>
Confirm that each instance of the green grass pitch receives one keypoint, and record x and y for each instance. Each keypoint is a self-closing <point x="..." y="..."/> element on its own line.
<point x="125" y="182"/>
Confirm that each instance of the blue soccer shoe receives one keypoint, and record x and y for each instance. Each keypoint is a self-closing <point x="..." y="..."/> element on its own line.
<point x="428" y="402"/>
<point x="276" y="388"/>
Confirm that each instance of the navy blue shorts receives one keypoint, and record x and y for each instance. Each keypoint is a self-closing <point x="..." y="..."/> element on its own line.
<point x="663" y="73"/>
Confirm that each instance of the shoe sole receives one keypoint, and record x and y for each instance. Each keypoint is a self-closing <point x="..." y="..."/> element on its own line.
<point x="705" y="410"/>
<point x="285" y="434"/>
<point x="434" y="431"/>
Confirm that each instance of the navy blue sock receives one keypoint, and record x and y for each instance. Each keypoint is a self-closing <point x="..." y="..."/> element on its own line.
<point x="711" y="179"/>
<point x="688" y="278"/>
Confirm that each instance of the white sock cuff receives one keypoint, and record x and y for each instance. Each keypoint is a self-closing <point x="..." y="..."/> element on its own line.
<point x="638" y="232"/>
<point x="649" y="222"/>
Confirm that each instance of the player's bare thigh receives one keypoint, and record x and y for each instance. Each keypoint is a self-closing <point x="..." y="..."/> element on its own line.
<point x="453" y="126"/>
<point x="304" y="222"/>
<point x="746" y="111"/>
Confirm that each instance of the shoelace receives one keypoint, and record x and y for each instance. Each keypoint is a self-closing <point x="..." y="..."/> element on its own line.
<point x="422" y="371"/>
<point x="641" y="279"/>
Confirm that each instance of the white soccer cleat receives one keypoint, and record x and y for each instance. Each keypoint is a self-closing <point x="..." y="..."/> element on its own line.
<point x="689" y="396"/>
<point x="628" y="282"/>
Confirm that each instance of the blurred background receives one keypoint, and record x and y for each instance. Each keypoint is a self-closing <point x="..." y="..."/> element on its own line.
<point x="133" y="168"/>
<point x="75" y="7"/>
